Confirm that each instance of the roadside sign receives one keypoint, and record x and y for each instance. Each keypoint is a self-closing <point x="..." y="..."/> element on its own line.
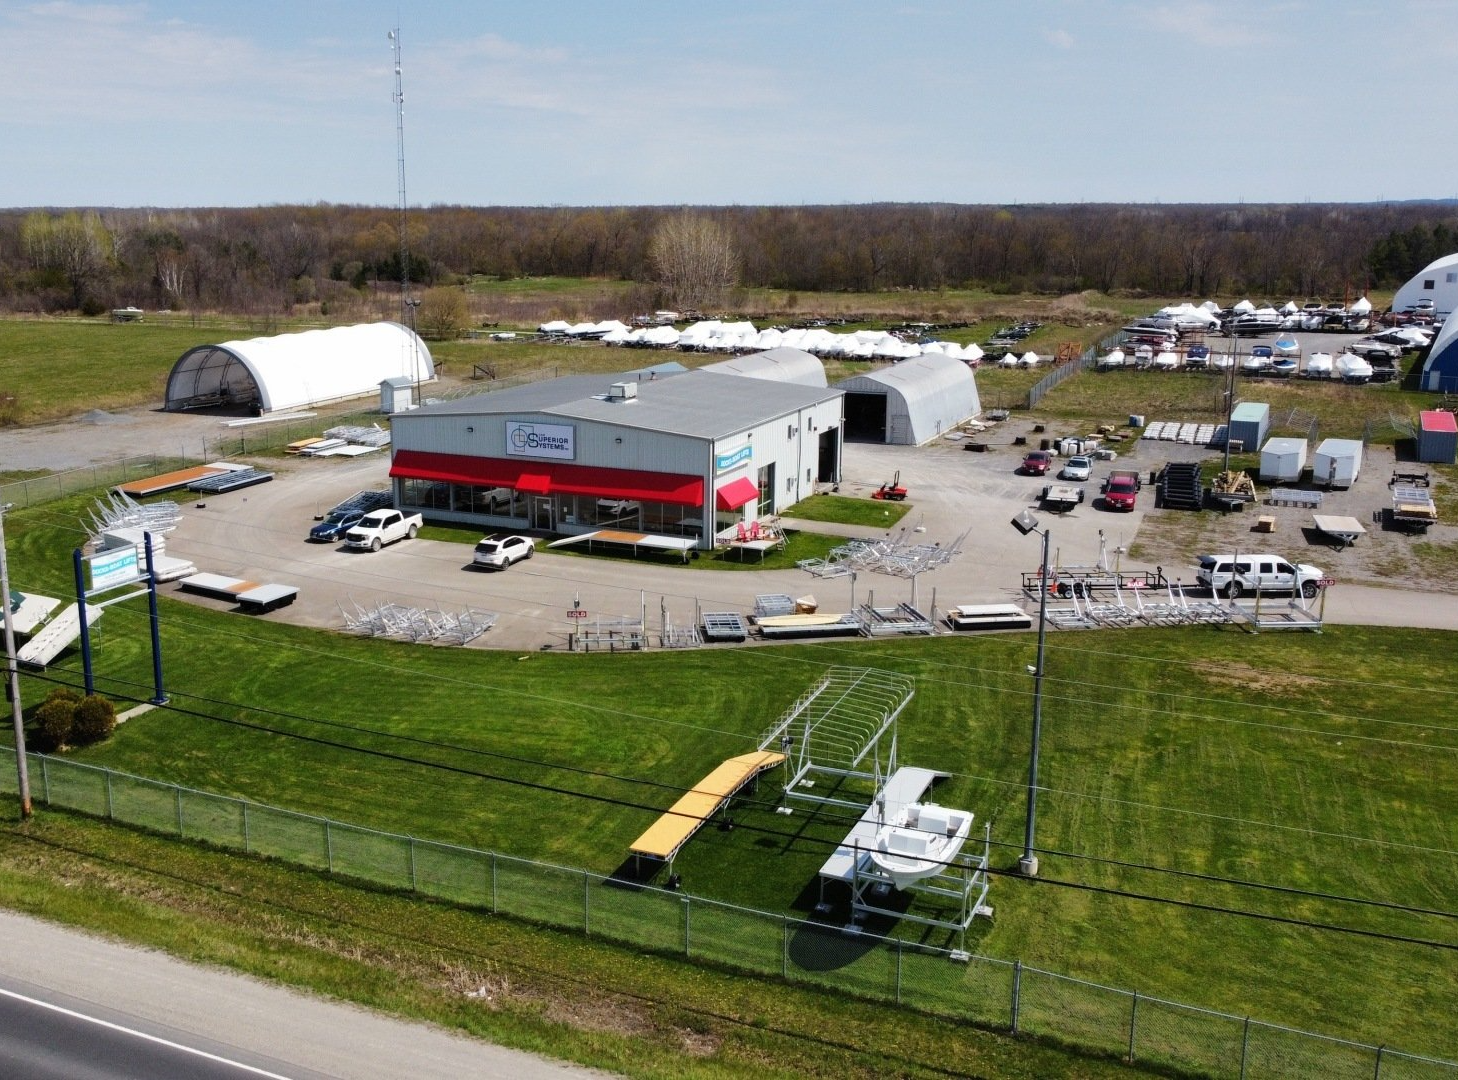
<point x="1324" y="582"/>
<point x="576" y="613"/>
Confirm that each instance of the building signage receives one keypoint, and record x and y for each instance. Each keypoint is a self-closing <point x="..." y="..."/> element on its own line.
<point x="112" y="568"/>
<point x="730" y="458"/>
<point x="525" y="439"/>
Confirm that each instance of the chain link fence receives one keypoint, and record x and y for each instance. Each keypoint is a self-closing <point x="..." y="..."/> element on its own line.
<point x="992" y="993"/>
<point x="1086" y="360"/>
<point x="259" y="439"/>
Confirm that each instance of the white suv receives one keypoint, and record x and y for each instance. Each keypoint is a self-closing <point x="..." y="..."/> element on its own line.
<point x="499" y="551"/>
<point x="1233" y="575"/>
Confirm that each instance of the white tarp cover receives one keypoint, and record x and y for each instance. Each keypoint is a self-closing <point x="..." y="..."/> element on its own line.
<point x="294" y="371"/>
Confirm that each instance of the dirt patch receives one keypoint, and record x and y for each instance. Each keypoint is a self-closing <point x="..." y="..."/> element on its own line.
<point x="1381" y="556"/>
<point x="1249" y="678"/>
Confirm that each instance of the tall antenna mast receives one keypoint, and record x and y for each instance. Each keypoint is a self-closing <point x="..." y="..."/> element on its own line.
<point x="400" y="142"/>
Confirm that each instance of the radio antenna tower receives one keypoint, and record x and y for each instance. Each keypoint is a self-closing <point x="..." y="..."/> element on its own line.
<point x="394" y="36"/>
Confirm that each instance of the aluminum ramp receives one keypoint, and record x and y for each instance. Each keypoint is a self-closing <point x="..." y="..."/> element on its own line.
<point x="663" y="839"/>
<point x="48" y="642"/>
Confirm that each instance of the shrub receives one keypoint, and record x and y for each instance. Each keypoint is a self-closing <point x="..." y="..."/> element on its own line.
<point x="95" y="719"/>
<point x="54" y="719"/>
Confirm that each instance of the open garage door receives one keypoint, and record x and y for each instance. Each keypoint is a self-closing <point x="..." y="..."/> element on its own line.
<point x="865" y="417"/>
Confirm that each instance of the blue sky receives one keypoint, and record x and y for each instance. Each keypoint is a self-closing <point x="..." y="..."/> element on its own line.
<point x="600" y="103"/>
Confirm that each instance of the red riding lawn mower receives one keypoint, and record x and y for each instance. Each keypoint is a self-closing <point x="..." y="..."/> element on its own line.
<point x="893" y="491"/>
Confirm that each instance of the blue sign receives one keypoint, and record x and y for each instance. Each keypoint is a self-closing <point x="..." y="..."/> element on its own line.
<point x="724" y="462"/>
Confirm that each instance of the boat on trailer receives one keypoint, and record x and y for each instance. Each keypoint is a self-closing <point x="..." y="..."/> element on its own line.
<point x="920" y="841"/>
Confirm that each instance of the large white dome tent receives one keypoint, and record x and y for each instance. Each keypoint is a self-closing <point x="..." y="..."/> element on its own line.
<point x="297" y="371"/>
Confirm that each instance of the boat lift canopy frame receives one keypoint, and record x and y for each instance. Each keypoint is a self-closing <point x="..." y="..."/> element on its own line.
<point x="835" y="726"/>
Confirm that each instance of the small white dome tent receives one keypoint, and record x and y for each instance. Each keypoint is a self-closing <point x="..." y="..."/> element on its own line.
<point x="296" y="371"/>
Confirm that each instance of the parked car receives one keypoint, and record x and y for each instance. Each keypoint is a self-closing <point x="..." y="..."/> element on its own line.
<point x="1076" y="468"/>
<point x="1121" y="489"/>
<point x="335" y="524"/>
<point x="1037" y="463"/>
<point x="1233" y="576"/>
<point x="381" y="527"/>
<point x="499" y="550"/>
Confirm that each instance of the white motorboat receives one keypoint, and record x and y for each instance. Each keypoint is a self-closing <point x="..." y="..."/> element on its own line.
<point x="1287" y="345"/>
<point x="1318" y="365"/>
<point x="1166" y="361"/>
<point x="1351" y="368"/>
<point x="1114" y="359"/>
<point x="920" y="841"/>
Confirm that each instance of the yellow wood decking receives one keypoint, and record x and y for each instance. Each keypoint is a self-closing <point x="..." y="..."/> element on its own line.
<point x="664" y="837"/>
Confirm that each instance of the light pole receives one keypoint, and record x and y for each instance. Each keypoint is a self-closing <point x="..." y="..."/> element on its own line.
<point x="1028" y="864"/>
<point x="12" y="675"/>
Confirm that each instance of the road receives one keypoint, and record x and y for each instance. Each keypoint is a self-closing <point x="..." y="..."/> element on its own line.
<point x="134" y="1014"/>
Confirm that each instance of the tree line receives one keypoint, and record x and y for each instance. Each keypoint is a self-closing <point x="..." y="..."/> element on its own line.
<point x="281" y="259"/>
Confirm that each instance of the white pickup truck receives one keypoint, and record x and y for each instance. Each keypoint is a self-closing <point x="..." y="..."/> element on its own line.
<point x="381" y="527"/>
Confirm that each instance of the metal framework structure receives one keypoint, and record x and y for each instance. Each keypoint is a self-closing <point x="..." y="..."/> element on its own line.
<point x="836" y="726"/>
<point x="897" y="558"/>
<point x="964" y="882"/>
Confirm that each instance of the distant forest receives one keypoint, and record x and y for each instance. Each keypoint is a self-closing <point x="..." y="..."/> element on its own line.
<point x="284" y="259"/>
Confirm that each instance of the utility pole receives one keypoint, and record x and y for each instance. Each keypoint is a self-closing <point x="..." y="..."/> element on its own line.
<point x="12" y="675"/>
<point x="394" y="36"/>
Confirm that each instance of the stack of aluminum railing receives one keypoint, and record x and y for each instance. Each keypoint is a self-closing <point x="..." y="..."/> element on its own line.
<point x="121" y="511"/>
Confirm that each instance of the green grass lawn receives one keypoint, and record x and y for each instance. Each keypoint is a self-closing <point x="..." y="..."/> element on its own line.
<point x="1174" y="762"/>
<point x="843" y="510"/>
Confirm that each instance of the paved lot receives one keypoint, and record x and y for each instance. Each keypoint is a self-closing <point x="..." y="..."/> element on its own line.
<point x="258" y="534"/>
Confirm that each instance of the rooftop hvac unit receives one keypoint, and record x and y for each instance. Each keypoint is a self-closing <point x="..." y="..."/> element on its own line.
<point x="623" y="391"/>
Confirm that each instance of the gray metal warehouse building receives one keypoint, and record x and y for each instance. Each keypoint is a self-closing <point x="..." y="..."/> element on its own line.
<point x="684" y="455"/>
<point x="910" y="402"/>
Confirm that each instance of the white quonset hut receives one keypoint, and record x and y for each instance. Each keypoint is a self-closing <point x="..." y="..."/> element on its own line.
<point x="779" y="365"/>
<point x="680" y="455"/>
<point x="1440" y="368"/>
<point x="910" y="402"/>
<point x="1434" y="287"/>
<point x="296" y="371"/>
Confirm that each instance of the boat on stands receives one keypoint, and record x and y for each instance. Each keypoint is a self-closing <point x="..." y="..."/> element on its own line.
<point x="920" y="841"/>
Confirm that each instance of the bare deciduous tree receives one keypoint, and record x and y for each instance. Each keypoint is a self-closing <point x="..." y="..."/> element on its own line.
<point x="443" y="313"/>
<point x="695" y="260"/>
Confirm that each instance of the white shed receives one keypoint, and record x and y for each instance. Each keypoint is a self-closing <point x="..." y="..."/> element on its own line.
<point x="1337" y="462"/>
<point x="397" y="394"/>
<point x="1282" y="460"/>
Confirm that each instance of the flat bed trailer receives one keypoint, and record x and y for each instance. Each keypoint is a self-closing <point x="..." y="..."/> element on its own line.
<point x="1061" y="498"/>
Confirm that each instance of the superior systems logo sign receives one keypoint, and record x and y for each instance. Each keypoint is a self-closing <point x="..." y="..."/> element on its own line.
<point x="539" y="440"/>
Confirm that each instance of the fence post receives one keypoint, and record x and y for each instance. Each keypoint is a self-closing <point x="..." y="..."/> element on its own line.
<point x="493" y="883"/>
<point x="784" y="948"/>
<point x="177" y="792"/>
<point x="899" y="946"/>
<point x="46" y="780"/>
<point x="1133" y="1022"/>
<point x="687" y="907"/>
<point x="1244" y="1045"/>
<point x="1017" y="993"/>
<point x="328" y="846"/>
<point x="108" y="795"/>
<point x="247" y="840"/>
<point x="1377" y="1066"/>
<point x="586" y="894"/>
<point x="414" y="884"/>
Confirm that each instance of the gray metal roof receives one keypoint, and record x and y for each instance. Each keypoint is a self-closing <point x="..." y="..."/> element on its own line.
<point x="699" y="404"/>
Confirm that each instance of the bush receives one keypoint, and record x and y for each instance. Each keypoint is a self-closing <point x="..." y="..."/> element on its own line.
<point x="95" y="719"/>
<point x="54" y="719"/>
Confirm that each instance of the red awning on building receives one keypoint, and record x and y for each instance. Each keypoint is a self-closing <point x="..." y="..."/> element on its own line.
<point x="736" y="493"/>
<point x="547" y="478"/>
<point x="533" y="483"/>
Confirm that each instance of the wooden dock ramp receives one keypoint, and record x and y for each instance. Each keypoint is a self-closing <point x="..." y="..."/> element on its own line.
<point x="663" y="839"/>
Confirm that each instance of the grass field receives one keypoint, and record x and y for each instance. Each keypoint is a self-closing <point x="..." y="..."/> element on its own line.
<point x="1174" y="764"/>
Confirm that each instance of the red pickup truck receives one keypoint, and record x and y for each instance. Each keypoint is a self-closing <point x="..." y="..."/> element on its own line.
<point x="1121" y="489"/>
